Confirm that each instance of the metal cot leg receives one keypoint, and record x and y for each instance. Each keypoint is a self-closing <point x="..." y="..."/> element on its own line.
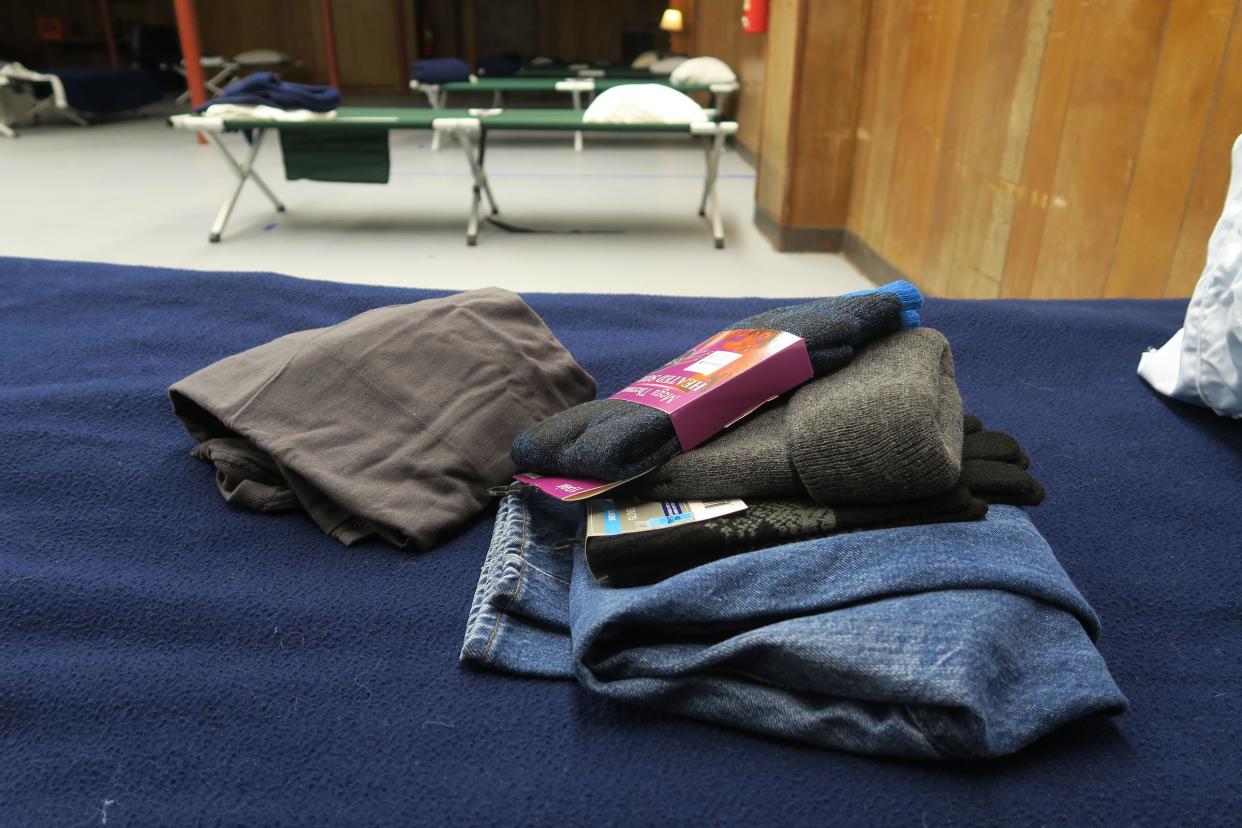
<point x="243" y="171"/>
<point x="73" y="116"/>
<point x="431" y="92"/>
<point x="215" y="84"/>
<point x="487" y="187"/>
<point x="707" y="175"/>
<point x="578" y="134"/>
<point x="441" y="100"/>
<point x="464" y="133"/>
<point x="710" y="205"/>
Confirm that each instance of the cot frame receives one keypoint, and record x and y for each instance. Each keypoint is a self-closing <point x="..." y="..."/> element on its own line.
<point x="227" y="71"/>
<point x="437" y="95"/>
<point x="14" y="90"/>
<point x="469" y="133"/>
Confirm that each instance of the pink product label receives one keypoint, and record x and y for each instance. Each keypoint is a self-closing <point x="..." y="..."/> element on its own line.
<point x="722" y="380"/>
<point x="566" y="488"/>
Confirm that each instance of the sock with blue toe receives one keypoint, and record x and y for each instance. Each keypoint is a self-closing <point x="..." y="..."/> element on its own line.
<point x="616" y="439"/>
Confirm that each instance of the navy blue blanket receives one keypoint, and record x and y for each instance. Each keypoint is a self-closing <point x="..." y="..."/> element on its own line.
<point x="108" y="91"/>
<point x="167" y="660"/>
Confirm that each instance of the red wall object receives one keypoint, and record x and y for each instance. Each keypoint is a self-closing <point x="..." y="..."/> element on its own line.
<point x="329" y="42"/>
<point x="50" y="28"/>
<point x="754" y="16"/>
<point x="191" y="53"/>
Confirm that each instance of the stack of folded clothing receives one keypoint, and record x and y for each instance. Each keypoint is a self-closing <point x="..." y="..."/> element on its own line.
<point x="616" y="440"/>
<point x="881" y="592"/>
<point x="861" y="574"/>
<point x="266" y="89"/>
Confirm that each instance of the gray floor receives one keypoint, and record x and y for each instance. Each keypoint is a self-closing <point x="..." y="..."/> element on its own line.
<point x="136" y="192"/>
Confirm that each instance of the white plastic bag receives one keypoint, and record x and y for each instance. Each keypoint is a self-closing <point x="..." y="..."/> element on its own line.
<point x="702" y="70"/>
<point x="1202" y="363"/>
<point x="666" y="65"/>
<point x="645" y="60"/>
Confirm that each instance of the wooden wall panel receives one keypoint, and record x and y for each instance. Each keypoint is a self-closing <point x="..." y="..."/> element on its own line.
<point x="711" y="29"/>
<point x="984" y="145"/>
<point x="1057" y="69"/>
<point x="1001" y="191"/>
<point x="443" y="19"/>
<point x="507" y="26"/>
<point x="574" y="30"/>
<point x="695" y="27"/>
<point x="924" y="105"/>
<point x="954" y="171"/>
<point x="366" y="44"/>
<point x="1211" y="179"/>
<point x="467" y="32"/>
<point x="551" y="29"/>
<point x="84" y="43"/>
<point x="1190" y="62"/>
<point x="227" y="27"/>
<point x="302" y="27"/>
<point x="775" y="174"/>
<point x="749" y="63"/>
<point x="813" y="83"/>
<point x="366" y="41"/>
<point x="826" y="102"/>
<point x="887" y="57"/>
<point x="1103" y="127"/>
<point x="1046" y="148"/>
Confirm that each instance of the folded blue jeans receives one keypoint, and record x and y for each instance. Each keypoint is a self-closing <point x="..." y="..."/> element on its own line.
<point x="942" y="641"/>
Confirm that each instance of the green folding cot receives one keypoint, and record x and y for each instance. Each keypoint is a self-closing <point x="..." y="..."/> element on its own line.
<point x="469" y="127"/>
<point x="588" y="70"/>
<point x="438" y="93"/>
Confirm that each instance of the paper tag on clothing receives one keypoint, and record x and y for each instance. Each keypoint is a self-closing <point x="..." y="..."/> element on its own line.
<point x="619" y="516"/>
<point x="721" y="380"/>
<point x="568" y="488"/>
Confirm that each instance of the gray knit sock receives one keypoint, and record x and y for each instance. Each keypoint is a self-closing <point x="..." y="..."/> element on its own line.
<point x="888" y="426"/>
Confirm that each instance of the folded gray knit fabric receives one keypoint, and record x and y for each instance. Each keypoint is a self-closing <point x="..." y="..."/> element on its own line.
<point x="888" y="426"/>
<point x="394" y="422"/>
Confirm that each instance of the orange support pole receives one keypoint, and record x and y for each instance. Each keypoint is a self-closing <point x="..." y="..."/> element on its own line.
<point x="187" y="29"/>
<point x="105" y="19"/>
<point x="403" y="54"/>
<point x="329" y="42"/>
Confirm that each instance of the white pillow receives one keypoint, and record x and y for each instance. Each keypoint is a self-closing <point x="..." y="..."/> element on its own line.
<point x="262" y="57"/>
<point x="665" y="65"/>
<point x="643" y="103"/>
<point x="703" y="70"/>
<point x="644" y="60"/>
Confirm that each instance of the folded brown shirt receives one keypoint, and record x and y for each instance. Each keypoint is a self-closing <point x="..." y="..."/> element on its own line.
<point x="394" y="422"/>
